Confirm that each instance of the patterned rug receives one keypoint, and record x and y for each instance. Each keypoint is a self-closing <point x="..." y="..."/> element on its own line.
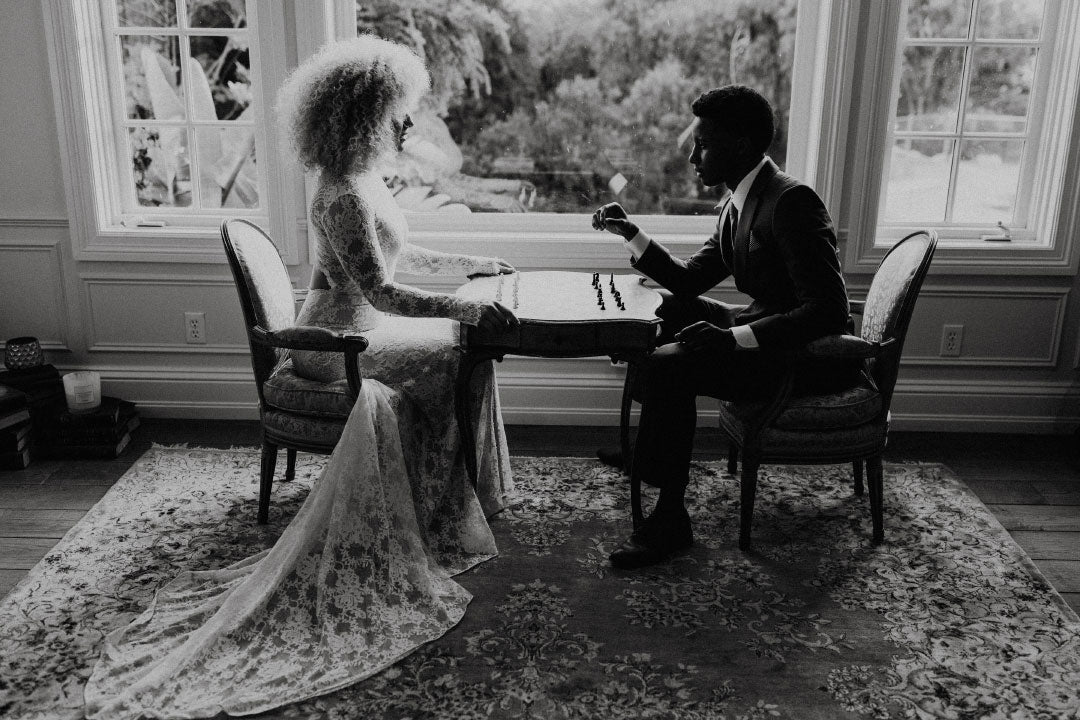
<point x="947" y="619"/>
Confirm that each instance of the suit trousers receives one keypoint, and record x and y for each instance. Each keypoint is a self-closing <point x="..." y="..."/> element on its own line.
<point x="673" y="377"/>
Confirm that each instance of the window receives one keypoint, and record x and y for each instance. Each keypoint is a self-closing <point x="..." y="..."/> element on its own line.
<point x="164" y="124"/>
<point x="183" y="110"/>
<point x="558" y="107"/>
<point x="969" y="92"/>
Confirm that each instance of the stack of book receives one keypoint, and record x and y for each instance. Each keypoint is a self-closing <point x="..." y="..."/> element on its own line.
<point x="43" y="388"/>
<point x="14" y="429"/>
<point x="101" y="433"/>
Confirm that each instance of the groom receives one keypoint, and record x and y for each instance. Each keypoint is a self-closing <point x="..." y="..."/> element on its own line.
<point x="776" y="238"/>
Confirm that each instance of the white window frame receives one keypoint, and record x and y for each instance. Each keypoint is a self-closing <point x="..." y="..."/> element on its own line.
<point x="1045" y="246"/>
<point x="89" y="140"/>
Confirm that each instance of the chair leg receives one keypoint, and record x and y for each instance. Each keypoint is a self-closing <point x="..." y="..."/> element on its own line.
<point x="266" y="479"/>
<point x="857" y="469"/>
<point x="290" y="464"/>
<point x="733" y="458"/>
<point x="874" y="480"/>
<point x="748" y="487"/>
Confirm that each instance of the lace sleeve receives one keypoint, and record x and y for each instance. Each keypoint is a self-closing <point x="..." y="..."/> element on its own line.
<point x="349" y="228"/>
<point x="421" y="261"/>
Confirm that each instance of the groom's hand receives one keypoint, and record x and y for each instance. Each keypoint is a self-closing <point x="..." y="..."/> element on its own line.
<point x="706" y="336"/>
<point x="613" y="218"/>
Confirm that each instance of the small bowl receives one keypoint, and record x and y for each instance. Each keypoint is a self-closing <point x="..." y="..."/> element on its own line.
<point x="22" y="353"/>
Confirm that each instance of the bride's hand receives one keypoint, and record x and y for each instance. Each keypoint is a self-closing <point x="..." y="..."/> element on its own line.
<point x="496" y="318"/>
<point x="492" y="266"/>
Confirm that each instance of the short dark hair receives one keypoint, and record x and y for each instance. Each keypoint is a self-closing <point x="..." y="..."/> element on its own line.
<point x="741" y="110"/>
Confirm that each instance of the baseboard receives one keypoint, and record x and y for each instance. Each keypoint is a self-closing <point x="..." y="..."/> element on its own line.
<point x="588" y="393"/>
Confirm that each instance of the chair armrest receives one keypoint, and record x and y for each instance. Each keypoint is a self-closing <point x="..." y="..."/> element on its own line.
<point x="856" y="307"/>
<point x="842" y="347"/>
<point x="309" y="337"/>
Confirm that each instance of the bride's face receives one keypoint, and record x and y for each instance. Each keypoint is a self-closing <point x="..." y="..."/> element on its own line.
<point x="401" y="130"/>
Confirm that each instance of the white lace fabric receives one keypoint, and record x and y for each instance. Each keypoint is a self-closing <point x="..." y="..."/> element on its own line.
<point x="362" y="575"/>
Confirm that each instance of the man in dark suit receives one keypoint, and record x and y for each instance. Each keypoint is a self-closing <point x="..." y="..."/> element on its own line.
<point x="776" y="238"/>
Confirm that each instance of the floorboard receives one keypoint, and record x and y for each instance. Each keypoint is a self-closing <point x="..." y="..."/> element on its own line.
<point x="1051" y="518"/>
<point x="1049" y="545"/>
<point x="37" y="522"/>
<point x="21" y="553"/>
<point x="1064" y="575"/>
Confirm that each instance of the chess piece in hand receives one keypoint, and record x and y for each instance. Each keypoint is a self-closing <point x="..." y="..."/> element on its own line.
<point x="613" y="218"/>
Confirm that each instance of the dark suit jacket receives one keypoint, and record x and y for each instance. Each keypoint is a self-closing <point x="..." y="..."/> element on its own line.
<point x="784" y="257"/>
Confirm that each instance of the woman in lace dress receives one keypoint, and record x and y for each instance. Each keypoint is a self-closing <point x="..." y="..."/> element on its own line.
<point x="361" y="577"/>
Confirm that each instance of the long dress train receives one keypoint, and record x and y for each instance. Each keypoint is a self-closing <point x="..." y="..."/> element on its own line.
<point x="348" y="589"/>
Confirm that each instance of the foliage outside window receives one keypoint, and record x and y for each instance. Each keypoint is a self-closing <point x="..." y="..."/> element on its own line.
<point x="563" y="105"/>
<point x="183" y="105"/>
<point x="964" y="130"/>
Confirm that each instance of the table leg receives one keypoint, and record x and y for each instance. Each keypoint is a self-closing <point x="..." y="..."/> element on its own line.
<point x="624" y="418"/>
<point x="462" y="412"/>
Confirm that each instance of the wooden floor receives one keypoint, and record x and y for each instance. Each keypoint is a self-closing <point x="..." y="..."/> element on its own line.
<point x="1030" y="483"/>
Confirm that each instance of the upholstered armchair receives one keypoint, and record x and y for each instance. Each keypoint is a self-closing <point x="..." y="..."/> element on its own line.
<point x="296" y="413"/>
<point x="848" y="426"/>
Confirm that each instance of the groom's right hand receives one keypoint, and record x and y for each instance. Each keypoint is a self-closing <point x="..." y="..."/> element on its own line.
<point x="613" y="218"/>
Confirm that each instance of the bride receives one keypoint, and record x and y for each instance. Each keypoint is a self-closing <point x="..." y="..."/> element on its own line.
<point x="361" y="577"/>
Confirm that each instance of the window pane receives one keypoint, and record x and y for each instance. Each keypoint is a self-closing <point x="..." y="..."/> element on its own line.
<point x="146" y="13"/>
<point x="918" y="186"/>
<point x="221" y="81"/>
<point x="929" y="89"/>
<point x="228" y="176"/>
<point x="987" y="181"/>
<point x="153" y="88"/>
<point x="217" y="14"/>
<point x="939" y="18"/>
<point x="1000" y="89"/>
<point x="160" y="166"/>
<point x="1017" y="19"/>
<point x="562" y="105"/>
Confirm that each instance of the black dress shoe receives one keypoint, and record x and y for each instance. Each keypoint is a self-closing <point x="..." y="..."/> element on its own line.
<point x="658" y="538"/>
<point x="614" y="458"/>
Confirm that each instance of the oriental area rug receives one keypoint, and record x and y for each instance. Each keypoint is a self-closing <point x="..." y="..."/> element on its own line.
<point x="947" y="619"/>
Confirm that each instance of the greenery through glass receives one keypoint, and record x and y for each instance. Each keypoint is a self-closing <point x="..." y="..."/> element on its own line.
<point x="562" y="105"/>
<point x="201" y="84"/>
<point x="953" y="164"/>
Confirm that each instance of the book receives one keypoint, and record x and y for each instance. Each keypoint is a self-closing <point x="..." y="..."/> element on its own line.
<point x="15" y="437"/>
<point x="14" y="417"/>
<point x="15" y="460"/>
<point x="104" y="451"/>
<point x="69" y="435"/>
<point x="105" y="415"/>
<point x="12" y="399"/>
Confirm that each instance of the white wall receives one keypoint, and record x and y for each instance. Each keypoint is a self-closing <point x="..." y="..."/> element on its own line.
<point x="1018" y="370"/>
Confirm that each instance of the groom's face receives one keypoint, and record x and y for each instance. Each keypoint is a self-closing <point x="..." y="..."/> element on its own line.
<point x="717" y="152"/>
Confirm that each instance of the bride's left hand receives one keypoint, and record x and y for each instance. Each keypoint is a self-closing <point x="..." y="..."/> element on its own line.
<point x="494" y="266"/>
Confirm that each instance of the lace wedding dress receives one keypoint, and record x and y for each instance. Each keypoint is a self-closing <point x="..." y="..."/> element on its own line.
<point x="361" y="577"/>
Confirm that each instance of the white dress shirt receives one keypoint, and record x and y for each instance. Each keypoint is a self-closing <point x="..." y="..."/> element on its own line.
<point x="744" y="336"/>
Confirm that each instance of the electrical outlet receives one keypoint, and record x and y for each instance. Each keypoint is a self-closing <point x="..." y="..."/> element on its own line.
<point x="195" y="327"/>
<point x="951" y="338"/>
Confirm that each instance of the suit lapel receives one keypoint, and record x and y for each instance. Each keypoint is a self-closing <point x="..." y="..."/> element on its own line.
<point x="748" y="217"/>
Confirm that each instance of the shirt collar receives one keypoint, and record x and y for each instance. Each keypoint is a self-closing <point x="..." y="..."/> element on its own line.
<point x="738" y="196"/>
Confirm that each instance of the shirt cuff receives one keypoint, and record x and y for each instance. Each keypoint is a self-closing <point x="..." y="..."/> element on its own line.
<point x="638" y="244"/>
<point x="744" y="337"/>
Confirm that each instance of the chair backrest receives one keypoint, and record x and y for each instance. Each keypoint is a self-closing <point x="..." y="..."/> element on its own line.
<point x="264" y="287"/>
<point x="891" y="301"/>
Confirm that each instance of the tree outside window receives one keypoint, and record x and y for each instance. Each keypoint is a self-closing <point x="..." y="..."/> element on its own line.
<point x="563" y="105"/>
<point x="962" y="130"/>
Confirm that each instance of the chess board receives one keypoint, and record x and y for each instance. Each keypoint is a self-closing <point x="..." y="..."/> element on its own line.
<point x="568" y="314"/>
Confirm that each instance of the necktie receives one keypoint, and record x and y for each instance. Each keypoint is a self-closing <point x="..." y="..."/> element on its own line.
<point x="728" y="253"/>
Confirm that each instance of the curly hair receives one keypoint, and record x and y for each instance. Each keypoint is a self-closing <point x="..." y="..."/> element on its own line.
<point x="740" y="109"/>
<point x="337" y="107"/>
